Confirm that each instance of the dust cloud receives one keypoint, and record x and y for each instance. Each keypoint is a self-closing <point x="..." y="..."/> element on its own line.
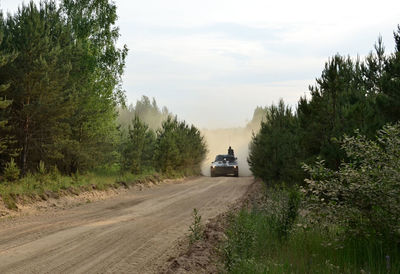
<point x="218" y="141"/>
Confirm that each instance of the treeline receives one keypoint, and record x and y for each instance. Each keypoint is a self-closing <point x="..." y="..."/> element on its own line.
<point x="152" y="139"/>
<point x="61" y="97"/>
<point x="350" y="94"/>
<point x="175" y="148"/>
<point x="60" y="76"/>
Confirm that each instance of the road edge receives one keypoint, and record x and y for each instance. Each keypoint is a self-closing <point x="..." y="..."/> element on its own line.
<point x="29" y="205"/>
<point x="203" y="256"/>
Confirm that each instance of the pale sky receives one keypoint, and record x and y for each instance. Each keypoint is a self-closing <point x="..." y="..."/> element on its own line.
<point x="213" y="62"/>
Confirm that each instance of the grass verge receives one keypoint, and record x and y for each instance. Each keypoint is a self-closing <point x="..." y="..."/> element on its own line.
<point x="255" y="244"/>
<point x="53" y="184"/>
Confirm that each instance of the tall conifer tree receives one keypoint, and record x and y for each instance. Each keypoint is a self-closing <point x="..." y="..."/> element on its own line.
<point x="37" y="79"/>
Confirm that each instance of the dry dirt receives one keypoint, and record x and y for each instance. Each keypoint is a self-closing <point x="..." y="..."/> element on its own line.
<point x="134" y="232"/>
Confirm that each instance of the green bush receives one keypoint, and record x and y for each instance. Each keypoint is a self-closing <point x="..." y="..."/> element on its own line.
<point x="11" y="171"/>
<point x="363" y="196"/>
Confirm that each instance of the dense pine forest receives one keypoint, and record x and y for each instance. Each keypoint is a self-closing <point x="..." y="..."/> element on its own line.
<point x="62" y="108"/>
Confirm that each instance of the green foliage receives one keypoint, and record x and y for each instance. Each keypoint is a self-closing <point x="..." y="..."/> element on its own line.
<point x="60" y="71"/>
<point x="267" y="226"/>
<point x="352" y="195"/>
<point x="94" y="83"/>
<point x="11" y="171"/>
<point x="179" y="148"/>
<point x="64" y="82"/>
<point x="176" y="149"/>
<point x="37" y="90"/>
<point x="339" y="104"/>
<point x="350" y="94"/>
<point x="253" y="244"/>
<point x="388" y="100"/>
<point x="7" y="140"/>
<point x="290" y="212"/>
<point x="274" y="149"/>
<point x="362" y="197"/>
<point x="137" y="154"/>
<point x="196" y="229"/>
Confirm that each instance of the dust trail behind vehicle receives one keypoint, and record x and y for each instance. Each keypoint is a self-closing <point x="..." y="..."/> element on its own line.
<point x="218" y="141"/>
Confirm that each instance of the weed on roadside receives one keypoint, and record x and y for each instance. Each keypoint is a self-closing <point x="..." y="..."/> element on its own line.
<point x="196" y="229"/>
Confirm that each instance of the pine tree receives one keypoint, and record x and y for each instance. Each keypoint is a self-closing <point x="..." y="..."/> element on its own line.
<point x="37" y="80"/>
<point x="94" y="83"/>
<point x="274" y="150"/>
<point x="179" y="147"/>
<point x="6" y="139"/>
<point x="167" y="154"/>
<point x="139" y="147"/>
<point x="389" y="99"/>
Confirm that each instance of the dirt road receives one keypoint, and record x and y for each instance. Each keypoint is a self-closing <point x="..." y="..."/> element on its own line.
<point x="130" y="233"/>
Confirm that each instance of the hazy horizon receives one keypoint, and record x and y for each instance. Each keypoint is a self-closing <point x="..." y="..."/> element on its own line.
<point x="212" y="63"/>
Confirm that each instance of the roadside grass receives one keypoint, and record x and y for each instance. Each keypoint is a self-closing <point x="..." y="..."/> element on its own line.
<point x="254" y="245"/>
<point x="54" y="184"/>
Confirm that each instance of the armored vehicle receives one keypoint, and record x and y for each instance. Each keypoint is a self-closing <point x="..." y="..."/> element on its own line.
<point x="224" y="165"/>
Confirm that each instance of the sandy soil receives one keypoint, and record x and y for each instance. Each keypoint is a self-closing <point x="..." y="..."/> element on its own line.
<point x="130" y="233"/>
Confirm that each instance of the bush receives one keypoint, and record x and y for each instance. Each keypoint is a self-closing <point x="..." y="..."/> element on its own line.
<point x="11" y="171"/>
<point x="363" y="196"/>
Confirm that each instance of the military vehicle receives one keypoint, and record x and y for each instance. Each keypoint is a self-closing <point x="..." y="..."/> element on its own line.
<point x="225" y="165"/>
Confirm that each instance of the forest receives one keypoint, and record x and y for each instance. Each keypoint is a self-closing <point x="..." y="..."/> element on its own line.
<point x="331" y="172"/>
<point x="63" y="112"/>
<point x="351" y="94"/>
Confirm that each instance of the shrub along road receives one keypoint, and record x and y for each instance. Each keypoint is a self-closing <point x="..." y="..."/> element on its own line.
<point x="129" y="233"/>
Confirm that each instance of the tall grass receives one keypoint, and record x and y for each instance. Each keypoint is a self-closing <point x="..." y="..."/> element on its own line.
<point x="255" y="245"/>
